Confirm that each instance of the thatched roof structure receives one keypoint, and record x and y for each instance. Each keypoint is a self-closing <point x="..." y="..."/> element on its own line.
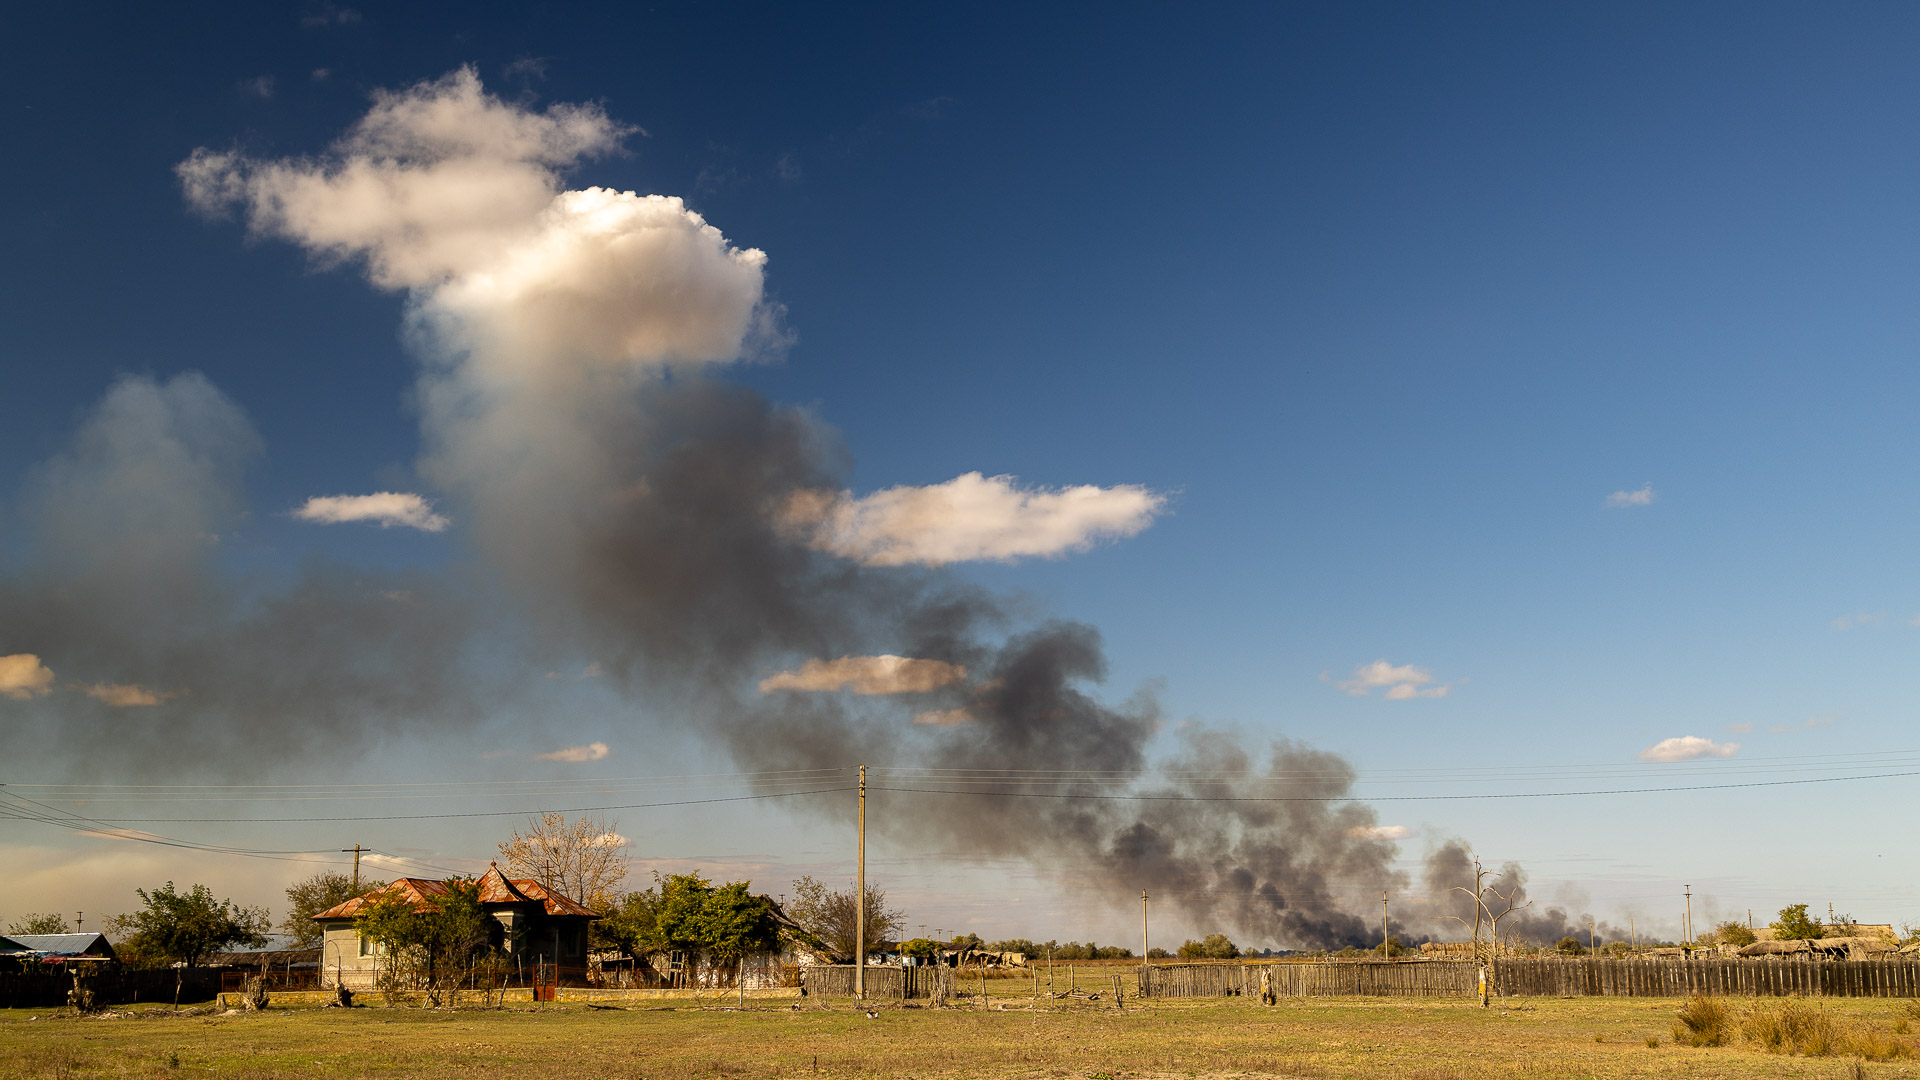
<point x="1851" y="946"/>
<point x="1775" y="948"/>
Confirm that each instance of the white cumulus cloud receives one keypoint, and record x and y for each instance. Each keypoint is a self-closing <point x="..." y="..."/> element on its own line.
<point x="885" y="674"/>
<point x="1640" y="496"/>
<point x="944" y="717"/>
<point x="589" y="752"/>
<point x="23" y="676"/>
<point x="966" y="519"/>
<point x="384" y="508"/>
<point x="1688" y="747"/>
<point x="1401" y="682"/>
<point x="448" y="192"/>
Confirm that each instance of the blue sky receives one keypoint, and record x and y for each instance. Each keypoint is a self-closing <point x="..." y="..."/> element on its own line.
<point x="1385" y="303"/>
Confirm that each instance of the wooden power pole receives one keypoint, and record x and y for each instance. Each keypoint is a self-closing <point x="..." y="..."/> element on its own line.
<point x="356" y="866"/>
<point x="860" y="899"/>
<point x="1143" y="929"/>
<point x="1383" y="922"/>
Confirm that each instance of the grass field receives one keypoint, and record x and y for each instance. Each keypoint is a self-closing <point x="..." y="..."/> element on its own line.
<point x="1430" y="1039"/>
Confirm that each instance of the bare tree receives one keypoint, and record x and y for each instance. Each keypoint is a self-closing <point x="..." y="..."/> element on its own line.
<point x="585" y="860"/>
<point x="1486" y="896"/>
<point x="831" y="917"/>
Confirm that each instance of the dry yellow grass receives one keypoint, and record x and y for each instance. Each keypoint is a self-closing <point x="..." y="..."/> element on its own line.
<point x="1435" y="1039"/>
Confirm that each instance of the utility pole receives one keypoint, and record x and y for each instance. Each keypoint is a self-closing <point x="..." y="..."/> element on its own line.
<point x="860" y="899"/>
<point x="1590" y="941"/>
<point x="1144" y="951"/>
<point x="1689" y="921"/>
<point x="79" y="920"/>
<point x="1383" y="922"/>
<point x="356" y="866"/>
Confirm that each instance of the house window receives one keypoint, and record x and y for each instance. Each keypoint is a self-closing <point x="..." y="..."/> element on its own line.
<point x="369" y="947"/>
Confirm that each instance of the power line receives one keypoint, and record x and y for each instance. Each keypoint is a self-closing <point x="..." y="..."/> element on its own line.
<point x="485" y="813"/>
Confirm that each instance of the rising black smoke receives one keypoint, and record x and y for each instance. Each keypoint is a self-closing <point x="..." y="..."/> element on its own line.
<point x="685" y="534"/>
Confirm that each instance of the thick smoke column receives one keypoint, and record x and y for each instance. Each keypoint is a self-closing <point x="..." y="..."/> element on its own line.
<point x="698" y="542"/>
<point x="152" y="656"/>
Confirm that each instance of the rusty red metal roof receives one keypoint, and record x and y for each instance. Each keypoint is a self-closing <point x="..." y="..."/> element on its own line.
<point x="555" y="903"/>
<point x="423" y="892"/>
<point x="496" y="889"/>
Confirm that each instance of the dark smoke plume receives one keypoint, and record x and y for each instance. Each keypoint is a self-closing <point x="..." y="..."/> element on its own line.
<point x="691" y="538"/>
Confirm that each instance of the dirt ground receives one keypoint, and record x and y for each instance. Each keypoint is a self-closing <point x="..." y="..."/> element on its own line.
<point x="1014" y="1036"/>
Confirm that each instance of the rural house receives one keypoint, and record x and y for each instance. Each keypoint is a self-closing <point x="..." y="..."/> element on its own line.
<point x="535" y="927"/>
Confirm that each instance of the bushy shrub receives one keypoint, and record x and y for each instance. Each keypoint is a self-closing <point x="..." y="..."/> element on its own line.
<point x="1704" y="1021"/>
<point x="1732" y="933"/>
<point x="1798" y="1027"/>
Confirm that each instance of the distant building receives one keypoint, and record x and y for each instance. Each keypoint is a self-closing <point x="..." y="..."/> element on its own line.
<point x="28" y="950"/>
<point x="535" y="926"/>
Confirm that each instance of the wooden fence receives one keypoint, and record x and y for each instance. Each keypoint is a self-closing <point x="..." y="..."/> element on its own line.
<point x="1543" y="977"/>
<point x="1759" y="976"/>
<point x="116" y="986"/>
<point x="836" y="980"/>
<point x="1377" y="979"/>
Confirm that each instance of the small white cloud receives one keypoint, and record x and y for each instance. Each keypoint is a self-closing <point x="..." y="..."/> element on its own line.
<point x="260" y="86"/>
<point x="1826" y="719"/>
<point x="1858" y="618"/>
<point x="329" y="15"/>
<point x="384" y="508"/>
<point x="971" y="518"/>
<point x="944" y="717"/>
<point x="1740" y="728"/>
<point x="1380" y="832"/>
<point x="124" y="695"/>
<point x="23" y="676"/>
<point x="321" y="74"/>
<point x="1640" y="496"/>
<point x="589" y="752"/>
<point x="885" y="674"/>
<point x="1688" y="747"/>
<point x="610" y="840"/>
<point x="1401" y="683"/>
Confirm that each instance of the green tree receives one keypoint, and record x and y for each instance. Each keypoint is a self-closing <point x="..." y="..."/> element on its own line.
<point x="1019" y="945"/>
<point x="46" y="923"/>
<point x="1794" y="924"/>
<point x="311" y="896"/>
<point x="1212" y="947"/>
<point x="431" y="947"/>
<point x="1732" y="933"/>
<point x="632" y="924"/>
<point x="921" y="948"/>
<point x="1570" y="946"/>
<point x="735" y="923"/>
<point x="967" y="941"/>
<point x="185" y="927"/>
<point x="1392" y="947"/>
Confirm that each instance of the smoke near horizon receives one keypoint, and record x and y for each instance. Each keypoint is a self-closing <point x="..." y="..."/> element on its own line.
<point x="698" y="543"/>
